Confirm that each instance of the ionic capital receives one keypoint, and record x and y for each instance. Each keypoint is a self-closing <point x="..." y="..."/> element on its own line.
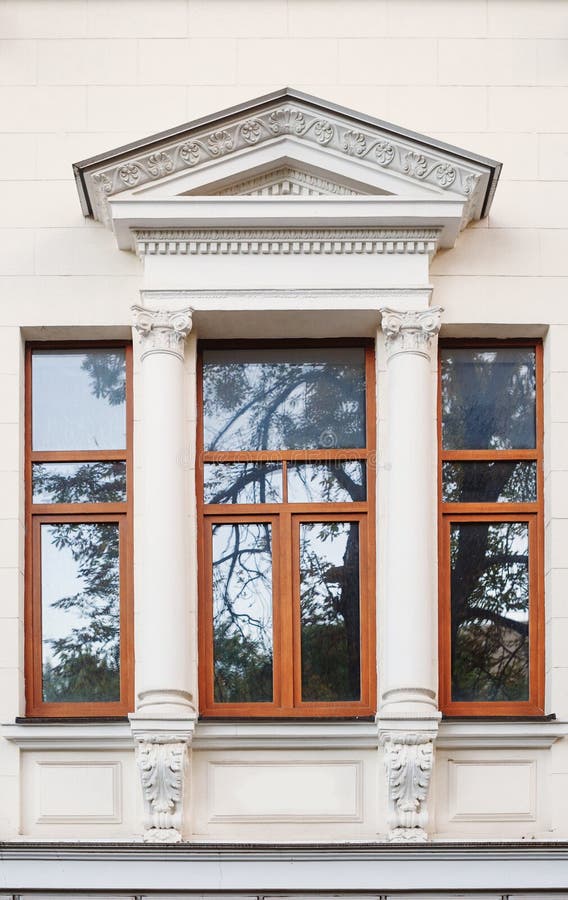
<point x="410" y="331"/>
<point x="162" y="330"/>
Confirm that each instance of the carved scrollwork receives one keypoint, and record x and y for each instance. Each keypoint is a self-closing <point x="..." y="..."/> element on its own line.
<point x="162" y="331"/>
<point x="129" y="174"/>
<point x="410" y="331"/>
<point x="159" y="164"/>
<point x="251" y="131"/>
<point x="219" y="143"/>
<point x="161" y="761"/>
<point x="384" y="153"/>
<point x="190" y="152"/>
<point x="408" y="763"/>
<point x="287" y="120"/>
<point x="323" y="131"/>
<point x="354" y="143"/>
<point x="415" y="164"/>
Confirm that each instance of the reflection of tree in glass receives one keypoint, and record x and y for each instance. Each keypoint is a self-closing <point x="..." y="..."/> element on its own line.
<point x="488" y="401"/>
<point x="490" y="610"/>
<point x="85" y="662"/>
<point x="285" y="405"/>
<point x="242" y="612"/>
<point x="107" y="373"/>
<point x="329" y="599"/>
<point x="313" y="400"/>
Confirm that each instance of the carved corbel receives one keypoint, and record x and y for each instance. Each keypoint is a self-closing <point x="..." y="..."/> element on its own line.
<point x="162" y="761"/>
<point x="408" y="762"/>
<point x="161" y="330"/>
<point x="410" y="331"/>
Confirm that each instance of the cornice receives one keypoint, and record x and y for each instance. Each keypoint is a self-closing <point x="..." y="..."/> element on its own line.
<point x="299" y="241"/>
<point x="378" y="147"/>
<point x="286" y="181"/>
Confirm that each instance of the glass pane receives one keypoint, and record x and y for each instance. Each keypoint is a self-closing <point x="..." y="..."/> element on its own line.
<point x="242" y="612"/>
<point x="490" y="611"/>
<point x="488" y="398"/>
<point x="79" y="399"/>
<point x="284" y="399"/>
<point x="80" y="608"/>
<point x="90" y="482"/>
<point x="491" y="482"/>
<point x="329" y="609"/>
<point x="243" y="483"/>
<point x="334" y="482"/>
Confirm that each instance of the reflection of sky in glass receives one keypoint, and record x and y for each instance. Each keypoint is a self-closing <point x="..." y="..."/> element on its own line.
<point x="337" y="482"/>
<point x="329" y="604"/>
<point x="281" y="399"/>
<point x="242" y="612"/>
<point x="84" y="482"/>
<point x="488" y="398"/>
<point x="67" y="413"/>
<point x="91" y="622"/>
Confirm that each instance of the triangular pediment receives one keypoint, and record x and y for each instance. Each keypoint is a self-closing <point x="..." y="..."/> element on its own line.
<point x="286" y="146"/>
<point x="285" y="181"/>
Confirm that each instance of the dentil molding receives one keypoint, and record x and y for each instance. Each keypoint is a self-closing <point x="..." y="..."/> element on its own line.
<point x="286" y="181"/>
<point x="410" y="331"/>
<point x="162" y="331"/>
<point x="283" y="241"/>
<point x="409" y="759"/>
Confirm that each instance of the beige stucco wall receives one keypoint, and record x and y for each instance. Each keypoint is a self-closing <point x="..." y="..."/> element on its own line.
<point x="78" y="77"/>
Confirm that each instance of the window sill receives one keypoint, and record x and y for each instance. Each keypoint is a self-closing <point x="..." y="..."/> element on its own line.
<point x="482" y="734"/>
<point x="68" y="735"/>
<point x="487" y="734"/>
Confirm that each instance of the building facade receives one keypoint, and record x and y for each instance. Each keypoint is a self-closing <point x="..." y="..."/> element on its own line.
<point x="283" y="458"/>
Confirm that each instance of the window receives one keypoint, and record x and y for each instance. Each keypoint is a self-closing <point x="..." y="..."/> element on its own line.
<point x="286" y="503"/>
<point x="78" y="541"/>
<point x="491" y="538"/>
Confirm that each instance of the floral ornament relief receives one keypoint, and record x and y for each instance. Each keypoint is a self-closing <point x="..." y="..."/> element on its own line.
<point x="354" y="143"/>
<point x="160" y="164"/>
<point x="251" y="131"/>
<point x="445" y="174"/>
<point x="219" y="143"/>
<point x="323" y="131"/>
<point x="103" y="182"/>
<point x="190" y="152"/>
<point x="286" y="121"/>
<point x="129" y="173"/>
<point x="415" y="164"/>
<point x="384" y="153"/>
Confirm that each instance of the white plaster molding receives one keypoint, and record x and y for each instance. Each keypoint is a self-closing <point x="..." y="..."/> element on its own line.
<point x="284" y="181"/>
<point x="68" y="736"/>
<point x="484" y="734"/>
<point x="285" y="735"/>
<point x="367" y="143"/>
<point x="410" y="297"/>
<point x="162" y="331"/>
<point x="162" y="763"/>
<point x="410" y="331"/>
<point x="302" y="241"/>
<point x="409" y="759"/>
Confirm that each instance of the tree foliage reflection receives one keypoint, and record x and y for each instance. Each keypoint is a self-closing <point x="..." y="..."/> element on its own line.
<point x="488" y="402"/>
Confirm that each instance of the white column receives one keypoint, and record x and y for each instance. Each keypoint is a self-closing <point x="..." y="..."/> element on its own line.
<point x="165" y="715"/>
<point x="408" y="713"/>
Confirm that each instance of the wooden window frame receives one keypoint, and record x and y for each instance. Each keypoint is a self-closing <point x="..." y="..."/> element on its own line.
<point x="286" y="518"/>
<point x="64" y="513"/>
<point x="532" y="513"/>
